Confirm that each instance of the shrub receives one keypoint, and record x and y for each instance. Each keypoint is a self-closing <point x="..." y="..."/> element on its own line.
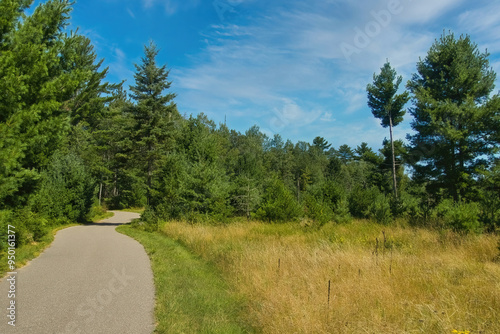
<point x="151" y="219"/>
<point x="28" y="227"/>
<point x="360" y="200"/>
<point x="67" y="189"/>
<point x="341" y="211"/>
<point x="5" y="221"/>
<point x="490" y="211"/>
<point x="380" y="209"/>
<point x="278" y="203"/>
<point x="35" y="225"/>
<point x="96" y="210"/>
<point x="317" y="210"/>
<point x="409" y="206"/>
<point x="460" y="216"/>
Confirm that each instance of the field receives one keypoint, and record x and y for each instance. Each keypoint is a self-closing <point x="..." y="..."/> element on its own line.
<point x="352" y="278"/>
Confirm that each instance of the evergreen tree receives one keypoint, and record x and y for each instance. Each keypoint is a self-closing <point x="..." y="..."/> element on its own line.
<point x="48" y="77"/>
<point x="321" y="144"/>
<point x="455" y="118"/>
<point x="387" y="105"/>
<point x="345" y="154"/>
<point x="154" y="113"/>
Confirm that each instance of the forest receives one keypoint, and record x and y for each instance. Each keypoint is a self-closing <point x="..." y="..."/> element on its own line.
<point x="73" y="145"/>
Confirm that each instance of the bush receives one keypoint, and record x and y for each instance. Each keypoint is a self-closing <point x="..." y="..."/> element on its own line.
<point x="35" y="225"/>
<point x="96" y="210"/>
<point x="278" y="203"/>
<point x="5" y="220"/>
<point x="380" y="209"/>
<point x="341" y="211"/>
<point x="317" y="210"/>
<point x="460" y="216"/>
<point x="151" y="219"/>
<point x="409" y="207"/>
<point x="490" y="211"/>
<point x="360" y="200"/>
<point x="67" y="190"/>
<point x="28" y="227"/>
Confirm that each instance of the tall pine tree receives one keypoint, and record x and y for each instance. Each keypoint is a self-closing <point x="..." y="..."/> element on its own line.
<point x="387" y="105"/>
<point x="154" y="113"/>
<point x="455" y="119"/>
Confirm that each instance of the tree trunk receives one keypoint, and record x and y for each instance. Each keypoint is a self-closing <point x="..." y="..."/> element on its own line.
<point x="248" y="201"/>
<point x="394" y="182"/>
<point x="298" y="189"/>
<point x="100" y="192"/>
<point x="150" y="176"/>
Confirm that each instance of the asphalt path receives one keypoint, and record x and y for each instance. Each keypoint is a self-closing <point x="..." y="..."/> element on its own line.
<point x="92" y="279"/>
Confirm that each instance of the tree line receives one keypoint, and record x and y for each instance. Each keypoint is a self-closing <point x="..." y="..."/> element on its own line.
<point x="73" y="144"/>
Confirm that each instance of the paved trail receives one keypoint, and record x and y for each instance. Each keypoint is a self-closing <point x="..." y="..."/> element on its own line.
<point x="92" y="279"/>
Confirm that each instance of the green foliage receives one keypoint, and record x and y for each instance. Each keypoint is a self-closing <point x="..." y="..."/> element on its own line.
<point x="278" y="203"/>
<point x="341" y="211"/>
<point x="490" y="210"/>
<point x="67" y="190"/>
<point x="50" y="81"/>
<point x="28" y="226"/>
<point x="409" y="206"/>
<point x="456" y="120"/>
<point x="345" y="154"/>
<point x="155" y="115"/>
<point x="388" y="106"/>
<point x="460" y="216"/>
<point x="6" y="219"/>
<point x="317" y="210"/>
<point x="31" y="226"/>
<point x="97" y="212"/>
<point x="382" y="98"/>
<point x="129" y="188"/>
<point x="66" y="136"/>
<point x="361" y="199"/>
<point x="380" y="209"/>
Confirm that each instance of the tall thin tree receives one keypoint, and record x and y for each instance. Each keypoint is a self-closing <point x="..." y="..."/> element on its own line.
<point x="387" y="105"/>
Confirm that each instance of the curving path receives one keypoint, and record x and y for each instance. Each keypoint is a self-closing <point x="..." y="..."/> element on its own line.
<point x="92" y="279"/>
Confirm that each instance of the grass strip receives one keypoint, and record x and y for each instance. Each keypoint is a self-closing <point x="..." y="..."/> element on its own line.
<point x="191" y="296"/>
<point x="136" y="210"/>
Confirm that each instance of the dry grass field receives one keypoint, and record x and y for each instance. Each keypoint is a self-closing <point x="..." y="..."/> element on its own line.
<point x="354" y="278"/>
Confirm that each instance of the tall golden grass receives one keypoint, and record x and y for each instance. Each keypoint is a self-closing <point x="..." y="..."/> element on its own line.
<point x="382" y="279"/>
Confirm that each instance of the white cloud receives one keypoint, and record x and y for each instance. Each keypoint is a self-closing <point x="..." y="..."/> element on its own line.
<point x="282" y="60"/>
<point x="171" y="7"/>
<point x="120" y="65"/>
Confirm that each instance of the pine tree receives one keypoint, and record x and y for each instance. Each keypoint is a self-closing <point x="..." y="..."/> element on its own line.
<point x="154" y="113"/>
<point x="44" y="73"/>
<point x="455" y="118"/>
<point x="387" y="105"/>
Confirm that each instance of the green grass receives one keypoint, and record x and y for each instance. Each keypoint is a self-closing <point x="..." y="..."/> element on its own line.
<point x="30" y="251"/>
<point x="191" y="296"/>
<point x="136" y="210"/>
<point x="102" y="216"/>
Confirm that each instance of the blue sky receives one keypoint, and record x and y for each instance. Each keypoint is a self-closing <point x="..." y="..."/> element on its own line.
<point x="297" y="68"/>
